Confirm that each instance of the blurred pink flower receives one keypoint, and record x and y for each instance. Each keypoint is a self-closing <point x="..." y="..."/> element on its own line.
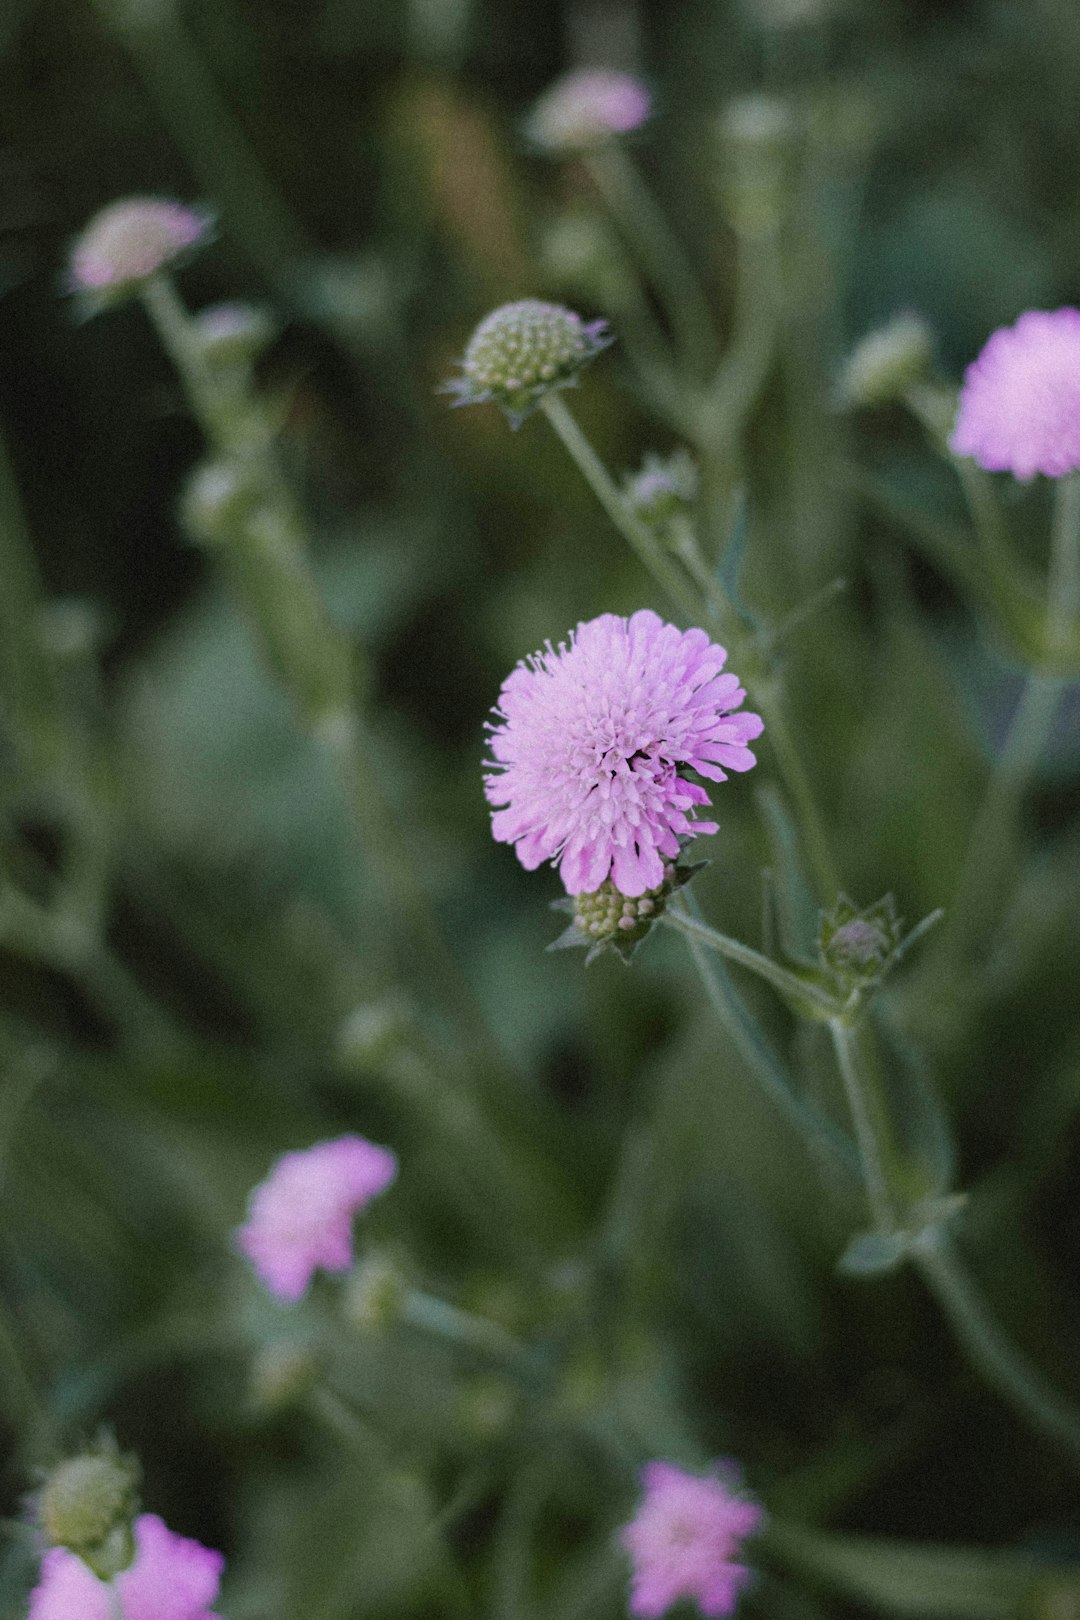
<point x="684" y="1542"/>
<point x="589" y="742"/>
<point x="131" y="240"/>
<point x="1019" y="407"/>
<point x="300" y="1217"/>
<point x="583" y="108"/>
<point x="171" y="1578"/>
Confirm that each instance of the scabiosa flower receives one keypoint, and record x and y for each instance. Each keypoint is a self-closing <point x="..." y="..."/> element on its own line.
<point x="1019" y="407"/>
<point x="127" y="243"/>
<point x="684" y="1542"/>
<point x="300" y="1218"/>
<point x="589" y="743"/>
<point x="171" y="1578"/>
<point x="584" y="108"/>
<point x="522" y="351"/>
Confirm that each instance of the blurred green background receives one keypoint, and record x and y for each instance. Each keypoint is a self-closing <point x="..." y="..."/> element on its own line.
<point x="646" y="1215"/>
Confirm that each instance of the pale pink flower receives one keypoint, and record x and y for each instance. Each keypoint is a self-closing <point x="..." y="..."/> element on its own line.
<point x="300" y="1218"/>
<point x="171" y="1578"/>
<point x="590" y="741"/>
<point x="1019" y="407"/>
<point x="581" y="109"/>
<point x="684" y="1542"/>
<point x="129" y="241"/>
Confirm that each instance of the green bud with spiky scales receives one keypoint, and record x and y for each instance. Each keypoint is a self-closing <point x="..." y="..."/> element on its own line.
<point x="606" y="919"/>
<point x="522" y="351"/>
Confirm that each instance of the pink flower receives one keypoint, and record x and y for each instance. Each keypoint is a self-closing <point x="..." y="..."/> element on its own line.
<point x="1019" y="408"/>
<point x="589" y="742"/>
<point x="684" y="1542"/>
<point x="171" y="1578"/>
<point x="129" y="241"/>
<point x="300" y="1217"/>
<point x="581" y="109"/>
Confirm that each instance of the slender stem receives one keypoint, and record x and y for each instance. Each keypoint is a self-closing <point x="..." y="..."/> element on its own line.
<point x="982" y="881"/>
<point x="934" y="408"/>
<point x="313" y="658"/>
<point x="990" y="1348"/>
<point x="464" y="1331"/>
<point x="638" y="536"/>
<point x="868" y="1131"/>
<point x="767" y="1068"/>
<point x="662" y="257"/>
<point x="798" y="991"/>
<point x="1063" y="585"/>
<point x="826" y="877"/>
<point x="21" y="657"/>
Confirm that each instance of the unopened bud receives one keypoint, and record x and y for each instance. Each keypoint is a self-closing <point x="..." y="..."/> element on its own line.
<point x="757" y="136"/>
<point x="281" y="1375"/>
<point x="232" y="336"/>
<point x="88" y="1504"/>
<point x="522" y="351"/>
<point x="217" y="502"/>
<point x="883" y="366"/>
<point x="664" y="489"/>
<point x="374" y="1294"/>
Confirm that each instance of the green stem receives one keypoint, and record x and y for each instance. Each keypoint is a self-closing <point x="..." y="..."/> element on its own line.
<point x="991" y="1350"/>
<point x="638" y="536"/>
<point x="25" y="676"/>
<point x="754" y="1049"/>
<point x="868" y="1130"/>
<point x="797" y="992"/>
<point x="662" y="257"/>
<point x="461" y="1330"/>
<point x="1063" y="585"/>
<point x="313" y="658"/>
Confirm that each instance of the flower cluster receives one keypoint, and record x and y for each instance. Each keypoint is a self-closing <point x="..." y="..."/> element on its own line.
<point x="583" y="109"/>
<point x="684" y="1542"/>
<point x="522" y="351"/>
<point x="591" y="739"/>
<point x="300" y="1218"/>
<point x="171" y="1578"/>
<point x="1019" y="407"/>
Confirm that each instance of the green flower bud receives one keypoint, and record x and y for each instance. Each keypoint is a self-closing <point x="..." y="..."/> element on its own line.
<point x="88" y="1504"/>
<point x="883" y="366"/>
<point x="374" y="1294"/>
<point x="522" y="351"/>
<point x="232" y="336"/>
<point x="664" y="489"/>
<point x="757" y="140"/>
<point x="281" y="1375"/>
<point x="217" y="502"/>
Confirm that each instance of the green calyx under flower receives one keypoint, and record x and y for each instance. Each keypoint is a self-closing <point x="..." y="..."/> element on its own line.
<point x="522" y="351"/>
<point x="88" y="1505"/>
<point x="605" y="919"/>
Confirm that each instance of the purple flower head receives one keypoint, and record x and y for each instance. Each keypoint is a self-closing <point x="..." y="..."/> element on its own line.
<point x="522" y="351"/>
<point x="1019" y="407"/>
<point x="300" y="1217"/>
<point x="589" y="742"/>
<point x="582" y="109"/>
<point x="171" y="1578"/>
<point x="130" y="241"/>
<point x="684" y="1542"/>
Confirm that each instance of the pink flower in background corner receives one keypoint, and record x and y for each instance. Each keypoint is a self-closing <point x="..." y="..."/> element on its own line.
<point x="1019" y="407"/>
<point x="300" y="1218"/>
<point x="685" y="1542"/>
<point x="581" y="109"/>
<point x="171" y="1578"/>
<point x="589" y="742"/>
